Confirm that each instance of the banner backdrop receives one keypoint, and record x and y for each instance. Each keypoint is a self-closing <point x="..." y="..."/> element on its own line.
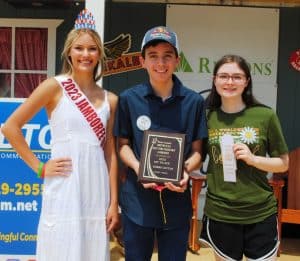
<point x="206" y="33"/>
<point x="20" y="189"/>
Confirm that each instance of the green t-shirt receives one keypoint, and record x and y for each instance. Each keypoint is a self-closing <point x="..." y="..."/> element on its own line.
<point x="250" y="199"/>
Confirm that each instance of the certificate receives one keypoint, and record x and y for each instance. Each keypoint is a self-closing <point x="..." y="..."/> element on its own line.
<point x="162" y="157"/>
<point x="228" y="158"/>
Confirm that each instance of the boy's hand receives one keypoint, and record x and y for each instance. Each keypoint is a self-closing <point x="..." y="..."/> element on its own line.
<point x="149" y="185"/>
<point x="182" y="184"/>
<point x="153" y="186"/>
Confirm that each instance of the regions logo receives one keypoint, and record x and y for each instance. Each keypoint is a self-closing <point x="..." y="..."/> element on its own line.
<point x="184" y="65"/>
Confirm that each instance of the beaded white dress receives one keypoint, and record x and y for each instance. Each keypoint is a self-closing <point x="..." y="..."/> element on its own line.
<point x="72" y="224"/>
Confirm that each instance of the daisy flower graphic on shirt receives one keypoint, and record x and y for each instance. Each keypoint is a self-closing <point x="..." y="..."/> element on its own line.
<point x="248" y="135"/>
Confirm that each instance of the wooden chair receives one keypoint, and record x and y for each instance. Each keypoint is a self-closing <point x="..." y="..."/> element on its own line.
<point x="291" y="214"/>
<point x="277" y="183"/>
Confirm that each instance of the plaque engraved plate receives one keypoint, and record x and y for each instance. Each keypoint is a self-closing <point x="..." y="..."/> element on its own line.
<point x="162" y="157"/>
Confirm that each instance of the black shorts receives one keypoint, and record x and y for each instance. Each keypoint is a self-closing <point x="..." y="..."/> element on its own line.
<point x="258" y="241"/>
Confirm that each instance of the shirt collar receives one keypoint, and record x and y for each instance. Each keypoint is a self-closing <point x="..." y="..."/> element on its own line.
<point x="176" y="90"/>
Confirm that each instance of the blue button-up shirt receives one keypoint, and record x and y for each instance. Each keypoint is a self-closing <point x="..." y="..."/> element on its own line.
<point x="139" y="109"/>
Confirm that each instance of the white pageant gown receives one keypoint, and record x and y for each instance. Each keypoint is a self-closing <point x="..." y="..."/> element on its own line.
<point x="72" y="223"/>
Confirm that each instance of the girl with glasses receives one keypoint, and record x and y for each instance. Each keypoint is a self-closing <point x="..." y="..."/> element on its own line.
<point x="240" y="215"/>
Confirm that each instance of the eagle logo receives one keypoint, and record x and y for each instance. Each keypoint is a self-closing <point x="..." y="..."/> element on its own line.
<point x="118" y="46"/>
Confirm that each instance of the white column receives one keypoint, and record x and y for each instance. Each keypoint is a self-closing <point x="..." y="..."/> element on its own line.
<point x="97" y="8"/>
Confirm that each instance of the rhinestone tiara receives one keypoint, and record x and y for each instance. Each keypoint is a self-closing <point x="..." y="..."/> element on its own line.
<point x="85" y="19"/>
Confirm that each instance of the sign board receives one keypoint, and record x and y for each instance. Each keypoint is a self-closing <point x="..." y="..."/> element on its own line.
<point x="20" y="189"/>
<point x="206" y="33"/>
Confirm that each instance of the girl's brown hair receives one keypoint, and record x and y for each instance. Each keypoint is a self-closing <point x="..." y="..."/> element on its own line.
<point x="213" y="101"/>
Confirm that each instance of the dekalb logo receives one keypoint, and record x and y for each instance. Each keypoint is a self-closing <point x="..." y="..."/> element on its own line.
<point x="117" y="58"/>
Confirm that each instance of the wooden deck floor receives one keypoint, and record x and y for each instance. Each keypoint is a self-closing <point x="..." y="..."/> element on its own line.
<point x="290" y="251"/>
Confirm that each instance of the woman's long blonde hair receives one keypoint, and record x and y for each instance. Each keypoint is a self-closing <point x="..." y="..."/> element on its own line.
<point x="67" y="67"/>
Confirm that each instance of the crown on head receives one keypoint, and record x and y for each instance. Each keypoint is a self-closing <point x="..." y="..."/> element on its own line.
<point x="85" y="19"/>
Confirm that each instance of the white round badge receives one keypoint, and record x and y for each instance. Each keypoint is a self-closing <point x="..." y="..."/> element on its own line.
<point x="143" y="122"/>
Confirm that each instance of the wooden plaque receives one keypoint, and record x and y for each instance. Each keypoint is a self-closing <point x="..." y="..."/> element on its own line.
<point x="162" y="157"/>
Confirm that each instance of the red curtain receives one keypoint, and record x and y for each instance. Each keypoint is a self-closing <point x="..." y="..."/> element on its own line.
<point x="25" y="83"/>
<point x="5" y="60"/>
<point x="31" y="49"/>
<point x="5" y="48"/>
<point x="31" y="54"/>
<point x="5" y="85"/>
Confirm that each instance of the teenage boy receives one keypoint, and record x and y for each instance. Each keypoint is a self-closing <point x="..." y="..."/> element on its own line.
<point x="161" y="104"/>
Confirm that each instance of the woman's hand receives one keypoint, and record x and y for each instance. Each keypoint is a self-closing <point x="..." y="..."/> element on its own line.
<point x="112" y="218"/>
<point x="269" y="164"/>
<point x="58" y="167"/>
<point x="242" y="152"/>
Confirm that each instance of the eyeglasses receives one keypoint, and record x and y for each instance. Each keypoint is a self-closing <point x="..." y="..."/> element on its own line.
<point x="236" y="78"/>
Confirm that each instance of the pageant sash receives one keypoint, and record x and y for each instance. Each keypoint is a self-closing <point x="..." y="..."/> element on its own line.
<point x="84" y="106"/>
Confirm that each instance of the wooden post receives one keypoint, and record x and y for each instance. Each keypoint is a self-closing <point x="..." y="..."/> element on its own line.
<point x="196" y="189"/>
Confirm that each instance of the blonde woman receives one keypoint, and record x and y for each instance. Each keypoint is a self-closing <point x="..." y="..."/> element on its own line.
<point x="79" y="206"/>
